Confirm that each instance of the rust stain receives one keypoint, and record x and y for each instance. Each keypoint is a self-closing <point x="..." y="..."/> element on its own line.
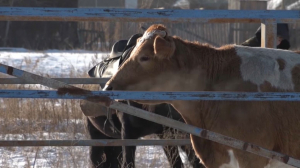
<point x="281" y="63"/>
<point x="72" y="91"/>
<point x="204" y="133"/>
<point x="256" y="148"/>
<point x="245" y="146"/>
<point x="285" y="159"/>
<point x="227" y="138"/>
<point x="103" y="100"/>
<point x="10" y="70"/>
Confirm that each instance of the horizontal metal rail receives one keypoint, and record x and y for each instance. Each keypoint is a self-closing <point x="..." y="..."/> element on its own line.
<point x="98" y="142"/>
<point x="138" y="95"/>
<point x="107" y="102"/>
<point x="65" y="80"/>
<point x="142" y="15"/>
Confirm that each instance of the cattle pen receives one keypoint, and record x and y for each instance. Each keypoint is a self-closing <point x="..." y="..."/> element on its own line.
<point x="64" y="89"/>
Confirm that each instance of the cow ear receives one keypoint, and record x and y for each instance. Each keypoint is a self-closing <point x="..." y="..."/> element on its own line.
<point x="163" y="47"/>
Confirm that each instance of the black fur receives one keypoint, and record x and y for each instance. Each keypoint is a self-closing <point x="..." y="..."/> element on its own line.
<point x="133" y="128"/>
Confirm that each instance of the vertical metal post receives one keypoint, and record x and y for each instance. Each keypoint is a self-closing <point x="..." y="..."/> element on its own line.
<point x="269" y="33"/>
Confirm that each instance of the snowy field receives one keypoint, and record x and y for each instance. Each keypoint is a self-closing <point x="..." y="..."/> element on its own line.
<point x="52" y="63"/>
<point x="66" y="157"/>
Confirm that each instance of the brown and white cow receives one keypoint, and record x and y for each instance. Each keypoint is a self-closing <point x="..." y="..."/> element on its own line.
<point x="166" y="63"/>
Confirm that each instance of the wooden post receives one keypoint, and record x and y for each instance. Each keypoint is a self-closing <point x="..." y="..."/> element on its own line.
<point x="269" y="33"/>
<point x="244" y="31"/>
<point x="234" y="35"/>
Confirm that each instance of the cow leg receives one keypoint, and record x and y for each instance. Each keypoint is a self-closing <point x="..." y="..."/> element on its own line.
<point x="192" y="158"/>
<point x="128" y="132"/>
<point x="128" y="156"/>
<point x="113" y="156"/>
<point x="134" y="128"/>
<point x="128" y="151"/>
<point x="101" y="156"/>
<point x="172" y="154"/>
<point x="173" y="157"/>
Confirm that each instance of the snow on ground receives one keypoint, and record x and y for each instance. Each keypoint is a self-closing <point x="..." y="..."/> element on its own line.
<point x="54" y="62"/>
<point x="58" y="64"/>
<point x="48" y="157"/>
<point x="43" y="156"/>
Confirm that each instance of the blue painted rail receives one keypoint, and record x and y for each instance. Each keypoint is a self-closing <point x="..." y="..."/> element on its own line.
<point x="141" y="15"/>
<point x="135" y="95"/>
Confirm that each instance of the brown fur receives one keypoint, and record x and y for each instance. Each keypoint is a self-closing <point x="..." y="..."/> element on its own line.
<point x="281" y="64"/>
<point x="200" y="67"/>
<point x="156" y="27"/>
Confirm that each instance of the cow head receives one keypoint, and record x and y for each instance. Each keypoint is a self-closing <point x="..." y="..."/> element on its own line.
<point x="149" y="63"/>
<point x="157" y="63"/>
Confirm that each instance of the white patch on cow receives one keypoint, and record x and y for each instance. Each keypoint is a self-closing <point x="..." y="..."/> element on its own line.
<point x="260" y="65"/>
<point x="149" y="35"/>
<point x="277" y="164"/>
<point x="233" y="163"/>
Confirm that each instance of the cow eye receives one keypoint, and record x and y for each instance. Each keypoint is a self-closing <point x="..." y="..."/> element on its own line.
<point x="144" y="58"/>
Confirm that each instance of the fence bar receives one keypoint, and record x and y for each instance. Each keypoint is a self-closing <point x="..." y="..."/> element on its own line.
<point x="269" y="33"/>
<point x="33" y="77"/>
<point x="144" y="15"/>
<point x="139" y="95"/>
<point x="206" y="134"/>
<point x="65" y="80"/>
<point x="100" y="142"/>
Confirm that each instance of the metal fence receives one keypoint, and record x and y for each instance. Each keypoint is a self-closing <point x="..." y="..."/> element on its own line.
<point x="268" y="19"/>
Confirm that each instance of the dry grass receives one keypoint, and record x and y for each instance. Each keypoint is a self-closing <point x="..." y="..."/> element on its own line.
<point x="34" y="115"/>
<point x="39" y="119"/>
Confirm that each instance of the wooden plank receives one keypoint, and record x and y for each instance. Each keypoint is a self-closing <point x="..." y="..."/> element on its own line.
<point x="33" y="77"/>
<point x="250" y="5"/>
<point x="140" y="95"/>
<point x="100" y="142"/>
<point x="203" y="133"/>
<point x="65" y="80"/>
<point x="144" y="15"/>
<point x="269" y="33"/>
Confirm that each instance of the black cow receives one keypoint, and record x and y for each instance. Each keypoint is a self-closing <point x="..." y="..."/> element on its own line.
<point x="282" y="37"/>
<point x="119" y="125"/>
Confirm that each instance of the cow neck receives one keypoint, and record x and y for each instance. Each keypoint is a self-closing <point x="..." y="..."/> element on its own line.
<point x="211" y="64"/>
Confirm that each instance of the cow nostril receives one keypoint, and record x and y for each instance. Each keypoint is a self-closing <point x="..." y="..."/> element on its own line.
<point x="107" y="88"/>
